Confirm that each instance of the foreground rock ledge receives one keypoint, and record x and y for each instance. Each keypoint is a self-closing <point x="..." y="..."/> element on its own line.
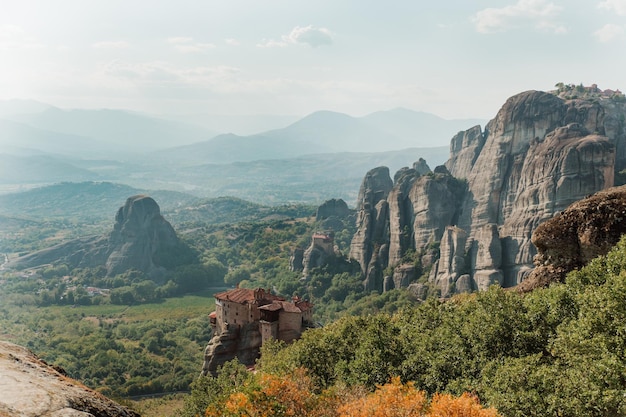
<point x="585" y="230"/>
<point x="30" y="387"/>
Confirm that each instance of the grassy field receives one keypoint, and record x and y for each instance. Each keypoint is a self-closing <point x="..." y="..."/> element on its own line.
<point x="188" y="306"/>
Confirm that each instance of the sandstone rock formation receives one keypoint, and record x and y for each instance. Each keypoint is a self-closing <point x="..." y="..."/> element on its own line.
<point x="317" y="254"/>
<point x="585" y="230"/>
<point x="332" y="208"/>
<point x="413" y="215"/>
<point x="372" y="218"/>
<point x="241" y="342"/>
<point x="139" y="234"/>
<point x="296" y="260"/>
<point x="542" y="152"/>
<point x="452" y="264"/>
<point x="141" y="237"/>
<point x="31" y="387"/>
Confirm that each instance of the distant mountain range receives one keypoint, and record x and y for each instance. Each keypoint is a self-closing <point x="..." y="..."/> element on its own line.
<point x="322" y="155"/>
<point x="327" y="132"/>
<point x="121" y="131"/>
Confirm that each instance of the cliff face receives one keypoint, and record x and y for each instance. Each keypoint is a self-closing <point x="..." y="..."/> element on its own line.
<point x="539" y="154"/>
<point x="372" y="217"/>
<point x="139" y="235"/>
<point x="31" y="387"/>
<point x="232" y="342"/>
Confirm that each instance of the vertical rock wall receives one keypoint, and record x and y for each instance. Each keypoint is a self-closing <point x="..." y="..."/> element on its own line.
<point x="538" y="155"/>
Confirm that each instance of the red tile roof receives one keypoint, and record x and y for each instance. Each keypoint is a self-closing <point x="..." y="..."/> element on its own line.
<point x="275" y="306"/>
<point x="304" y="305"/>
<point x="281" y="305"/>
<point x="245" y="295"/>
<point x="290" y="307"/>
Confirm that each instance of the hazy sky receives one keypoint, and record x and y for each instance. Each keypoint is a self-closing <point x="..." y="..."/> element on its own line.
<point x="454" y="58"/>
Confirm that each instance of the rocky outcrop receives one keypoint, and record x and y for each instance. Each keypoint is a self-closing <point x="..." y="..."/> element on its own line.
<point x="141" y="239"/>
<point x="421" y="167"/>
<point x="403" y="275"/>
<point x="317" y="254"/>
<point x="31" y="387"/>
<point x="401" y="214"/>
<point x="435" y="201"/>
<point x="332" y="208"/>
<point x="139" y="235"/>
<point x="413" y="214"/>
<point x="372" y="216"/>
<point x="542" y="152"/>
<point x="585" y="230"/>
<point x="452" y="263"/>
<point x="539" y="155"/>
<point x="241" y="342"/>
<point x="296" y="260"/>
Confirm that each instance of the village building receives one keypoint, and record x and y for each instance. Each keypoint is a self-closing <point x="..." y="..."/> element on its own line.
<point x="276" y="317"/>
<point x="325" y="241"/>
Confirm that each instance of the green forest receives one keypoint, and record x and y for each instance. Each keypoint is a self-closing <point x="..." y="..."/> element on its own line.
<point x="557" y="351"/>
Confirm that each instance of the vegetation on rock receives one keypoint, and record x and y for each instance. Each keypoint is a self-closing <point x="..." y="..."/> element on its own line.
<point x="555" y="351"/>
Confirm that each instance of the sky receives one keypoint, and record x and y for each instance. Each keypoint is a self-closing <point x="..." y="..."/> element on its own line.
<point x="453" y="58"/>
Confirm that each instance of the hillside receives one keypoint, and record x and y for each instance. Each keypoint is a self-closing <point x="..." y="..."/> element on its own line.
<point x="85" y="201"/>
<point x="23" y="139"/>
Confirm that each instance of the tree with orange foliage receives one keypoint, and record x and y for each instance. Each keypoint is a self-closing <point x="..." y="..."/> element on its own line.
<point x="404" y="400"/>
<point x="445" y="405"/>
<point x="271" y="395"/>
<point x="390" y="400"/>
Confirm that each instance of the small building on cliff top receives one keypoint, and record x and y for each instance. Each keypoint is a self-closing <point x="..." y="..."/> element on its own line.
<point x="244" y="319"/>
<point x="276" y="317"/>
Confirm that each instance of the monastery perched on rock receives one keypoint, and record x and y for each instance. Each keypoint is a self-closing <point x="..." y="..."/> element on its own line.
<point x="245" y="318"/>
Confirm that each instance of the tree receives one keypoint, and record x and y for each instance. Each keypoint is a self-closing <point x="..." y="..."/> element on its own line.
<point x="390" y="400"/>
<point x="235" y="276"/>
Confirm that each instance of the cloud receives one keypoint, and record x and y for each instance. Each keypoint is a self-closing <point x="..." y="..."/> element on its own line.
<point x="617" y="6"/>
<point x="160" y="72"/>
<point x="111" y="45"/>
<point x="308" y="35"/>
<point x="540" y="14"/>
<point x="311" y="36"/>
<point x="187" y="45"/>
<point x="232" y="42"/>
<point x="609" y="32"/>
<point x="15" y="38"/>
